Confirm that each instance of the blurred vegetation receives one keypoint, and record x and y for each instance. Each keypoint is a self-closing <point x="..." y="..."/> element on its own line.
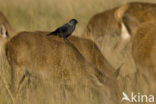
<point x="49" y="14"/>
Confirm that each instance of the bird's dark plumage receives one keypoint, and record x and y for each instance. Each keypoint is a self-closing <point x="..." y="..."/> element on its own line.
<point x="65" y="30"/>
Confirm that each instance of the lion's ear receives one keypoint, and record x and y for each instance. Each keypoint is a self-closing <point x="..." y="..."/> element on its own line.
<point x="3" y="31"/>
<point x="120" y="12"/>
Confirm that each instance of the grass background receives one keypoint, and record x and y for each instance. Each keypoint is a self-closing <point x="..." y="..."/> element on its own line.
<point x="34" y="15"/>
<point x="49" y="14"/>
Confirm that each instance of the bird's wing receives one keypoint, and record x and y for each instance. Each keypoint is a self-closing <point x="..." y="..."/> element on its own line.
<point x="61" y="30"/>
<point x="55" y="32"/>
<point x="64" y="28"/>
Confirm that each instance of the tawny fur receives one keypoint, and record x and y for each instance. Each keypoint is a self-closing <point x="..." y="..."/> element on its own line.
<point x="144" y="54"/>
<point x="105" y="30"/>
<point x="57" y="61"/>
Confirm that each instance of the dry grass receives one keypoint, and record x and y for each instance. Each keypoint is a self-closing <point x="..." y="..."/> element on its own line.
<point x="47" y="15"/>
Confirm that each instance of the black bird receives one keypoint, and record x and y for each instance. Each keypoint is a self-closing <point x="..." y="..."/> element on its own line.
<point x="65" y="30"/>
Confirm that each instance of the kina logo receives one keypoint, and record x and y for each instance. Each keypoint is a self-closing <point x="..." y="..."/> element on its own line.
<point x="138" y="98"/>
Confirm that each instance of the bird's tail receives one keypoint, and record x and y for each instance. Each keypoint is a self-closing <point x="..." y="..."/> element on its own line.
<point x="52" y="33"/>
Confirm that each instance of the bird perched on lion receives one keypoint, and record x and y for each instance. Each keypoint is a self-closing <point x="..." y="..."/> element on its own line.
<point x="66" y="30"/>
